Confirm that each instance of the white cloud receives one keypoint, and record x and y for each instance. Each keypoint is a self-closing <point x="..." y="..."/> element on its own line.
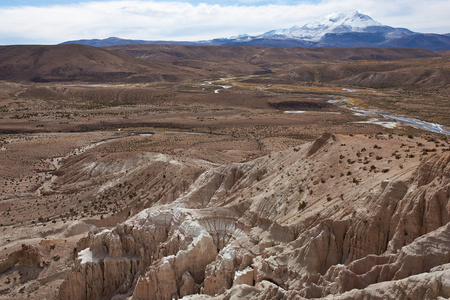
<point x="152" y="20"/>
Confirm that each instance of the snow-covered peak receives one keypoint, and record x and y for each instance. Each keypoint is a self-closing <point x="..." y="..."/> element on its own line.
<point x="333" y="23"/>
<point x="241" y="37"/>
<point x="354" y="20"/>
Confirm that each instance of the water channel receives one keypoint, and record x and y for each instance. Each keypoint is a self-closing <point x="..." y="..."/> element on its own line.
<point x="392" y="120"/>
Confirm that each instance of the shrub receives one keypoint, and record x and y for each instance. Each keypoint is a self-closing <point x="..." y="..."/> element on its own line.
<point x="302" y="205"/>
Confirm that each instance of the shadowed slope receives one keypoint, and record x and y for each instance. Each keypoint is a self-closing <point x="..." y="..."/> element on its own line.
<point x="79" y="63"/>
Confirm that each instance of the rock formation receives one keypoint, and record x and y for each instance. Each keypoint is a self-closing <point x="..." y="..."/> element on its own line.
<point x="329" y="219"/>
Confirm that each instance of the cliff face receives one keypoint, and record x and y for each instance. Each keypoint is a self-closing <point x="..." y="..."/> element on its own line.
<point x="356" y="217"/>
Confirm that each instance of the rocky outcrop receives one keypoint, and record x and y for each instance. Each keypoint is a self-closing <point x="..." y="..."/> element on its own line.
<point x="159" y="252"/>
<point x="273" y="228"/>
<point x="100" y="280"/>
<point x="27" y="256"/>
<point x="425" y="253"/>
<point x="433" y="285"/>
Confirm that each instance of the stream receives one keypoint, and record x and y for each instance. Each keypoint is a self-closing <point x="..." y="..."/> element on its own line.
<point x="392" y="120"/>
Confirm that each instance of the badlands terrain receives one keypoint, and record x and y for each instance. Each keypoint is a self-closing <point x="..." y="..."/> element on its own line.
<point x="195" y="172"/>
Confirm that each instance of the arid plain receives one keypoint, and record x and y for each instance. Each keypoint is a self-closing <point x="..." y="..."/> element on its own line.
<point x="160" y="172"/>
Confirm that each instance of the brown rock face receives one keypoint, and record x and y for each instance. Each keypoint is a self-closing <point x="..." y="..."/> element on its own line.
<point x="27" y="256"/>
<point x="100" y="280"/>
<point x="317" y="222"/>
<point x="160" y="252"/>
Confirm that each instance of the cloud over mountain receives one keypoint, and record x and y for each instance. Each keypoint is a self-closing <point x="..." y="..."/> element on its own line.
<point x="353" y="29"/>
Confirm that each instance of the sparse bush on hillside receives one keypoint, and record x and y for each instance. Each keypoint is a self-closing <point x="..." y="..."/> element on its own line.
<point x="302" y="205"/>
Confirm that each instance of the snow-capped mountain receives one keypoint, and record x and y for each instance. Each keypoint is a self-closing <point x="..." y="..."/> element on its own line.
<point x="353" y="29"/>
<point x="334" y="23"/>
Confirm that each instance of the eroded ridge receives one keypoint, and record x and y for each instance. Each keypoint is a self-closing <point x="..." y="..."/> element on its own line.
<point x="268" y="228"/>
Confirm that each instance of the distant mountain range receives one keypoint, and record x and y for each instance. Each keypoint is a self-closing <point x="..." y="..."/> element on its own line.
<point x="336" y="30"/>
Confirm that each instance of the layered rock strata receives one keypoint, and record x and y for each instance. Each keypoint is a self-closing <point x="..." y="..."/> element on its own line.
<point x="318" y="221"/>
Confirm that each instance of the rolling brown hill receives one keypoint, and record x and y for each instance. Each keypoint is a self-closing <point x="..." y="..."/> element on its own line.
<point x="363" y="66"/>
<point x="261" y="55"/>
<point x="424" y="72"/>
<point x="233" y="60"/>
<point x="81" y="63"/>
<point x="178" y="63"/>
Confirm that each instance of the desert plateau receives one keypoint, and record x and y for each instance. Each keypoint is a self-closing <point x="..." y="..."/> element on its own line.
<point x="224" y="172"/>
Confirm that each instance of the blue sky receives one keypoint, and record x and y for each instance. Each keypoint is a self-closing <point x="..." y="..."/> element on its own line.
<point x="53" y="21"/>
<point x="225" y="2"/>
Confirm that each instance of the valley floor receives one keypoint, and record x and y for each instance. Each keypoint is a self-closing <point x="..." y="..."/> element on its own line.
<point x="225" y="189"/>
